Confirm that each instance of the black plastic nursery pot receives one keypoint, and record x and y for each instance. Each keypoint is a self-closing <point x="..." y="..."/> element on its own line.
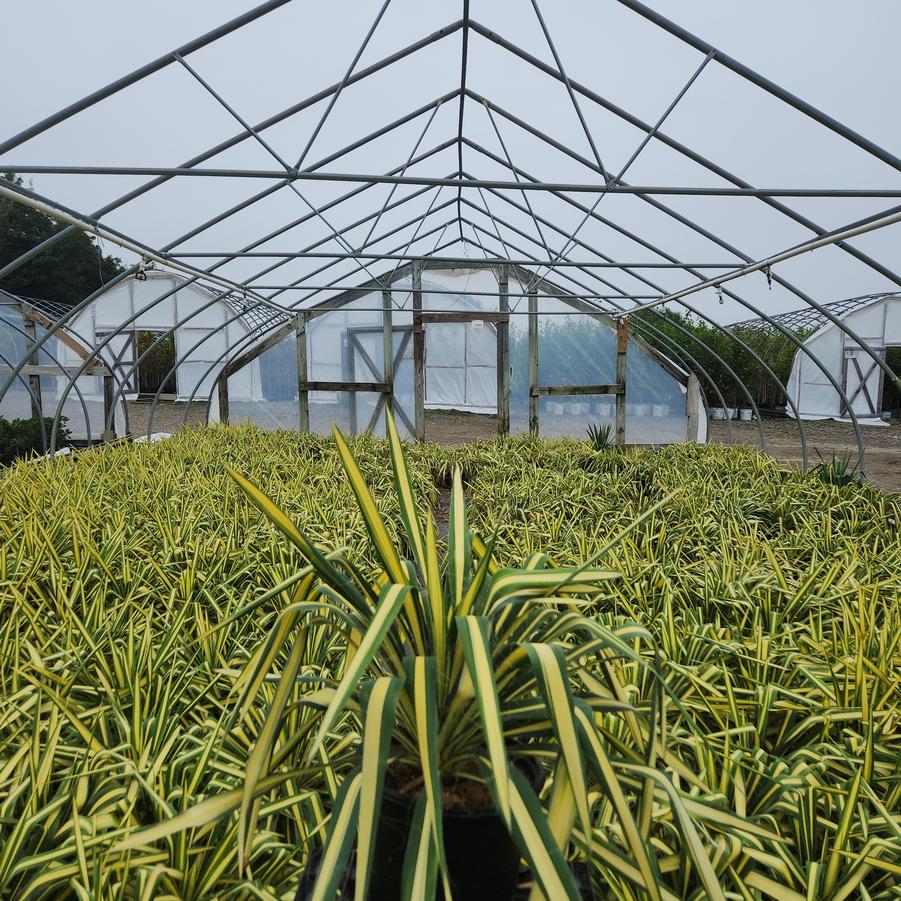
<point x="482" y="858"/>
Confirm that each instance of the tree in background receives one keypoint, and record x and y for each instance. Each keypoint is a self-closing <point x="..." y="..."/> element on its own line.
<point x="67" y="272"/>
<point x="769" y="344"/>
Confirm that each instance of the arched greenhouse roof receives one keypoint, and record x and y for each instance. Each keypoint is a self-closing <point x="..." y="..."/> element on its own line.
<point x="466" y="136"/>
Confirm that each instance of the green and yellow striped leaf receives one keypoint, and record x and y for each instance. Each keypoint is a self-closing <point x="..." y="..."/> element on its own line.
<point x="600" y="763"/>
<point x="323" y="566"/>
<point x="536" y="842"/>
<point x="405" y="496"/>
<point x="378" y="704"/>
<point x="420" y="874"/>
<point x="342" y="826"/>
<point x="390" y="602"/>
<point x="458" y="541"/>
<point x="381" y="540"/>
<point x="473" y="632"/>
<point x="423" y="685"/>
<point x="549" y="667"/>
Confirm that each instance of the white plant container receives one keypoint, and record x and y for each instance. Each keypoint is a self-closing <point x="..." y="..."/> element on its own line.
<point x="717" y="413"/>
<point x="659" y="410"/>
<point x="577" y="408"/>
<point x="556" y="407"/>
<point x="731" y="412"/>
<point x="745" y="414"/>
<point x="642" y="409"/>
<point x="603" y="409"/>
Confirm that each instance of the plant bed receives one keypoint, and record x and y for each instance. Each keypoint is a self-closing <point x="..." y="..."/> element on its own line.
<point x="122" y="573"/>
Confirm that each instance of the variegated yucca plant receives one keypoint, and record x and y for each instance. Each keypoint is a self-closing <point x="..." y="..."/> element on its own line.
<point x="454" y="666"/>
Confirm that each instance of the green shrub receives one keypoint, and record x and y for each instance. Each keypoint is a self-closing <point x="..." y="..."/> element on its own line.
<point x="20" y="438"/>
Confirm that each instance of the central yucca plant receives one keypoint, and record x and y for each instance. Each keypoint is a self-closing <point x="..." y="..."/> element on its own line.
<point x="456" y="666"/>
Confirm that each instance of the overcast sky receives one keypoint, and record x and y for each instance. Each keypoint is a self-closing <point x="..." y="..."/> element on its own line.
<point x="841" y="58"/>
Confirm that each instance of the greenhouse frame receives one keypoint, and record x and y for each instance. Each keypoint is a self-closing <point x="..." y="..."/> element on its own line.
<point x="539" y="248"/>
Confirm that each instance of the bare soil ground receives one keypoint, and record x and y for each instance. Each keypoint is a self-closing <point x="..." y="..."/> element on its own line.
<point x="167" y="417"/>
<point x="781" y="436"/>
<point x="882" y="444"/>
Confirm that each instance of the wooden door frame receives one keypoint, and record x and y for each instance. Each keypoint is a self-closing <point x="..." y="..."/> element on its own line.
<point x="502" y="338"/>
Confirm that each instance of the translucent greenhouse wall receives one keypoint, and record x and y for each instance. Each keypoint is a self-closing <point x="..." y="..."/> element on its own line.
<point x="205" y="329"/>
<point x="581" y="350"/>
<point x="879" y="325"/>
<point x="345" y="345"/>
<point x="82" y="408"/>
<point x="275" y="407"/>
<point x="576" y="348"/>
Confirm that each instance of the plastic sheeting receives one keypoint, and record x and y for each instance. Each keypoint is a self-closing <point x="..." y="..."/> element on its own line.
<point x="879" y="325"/>
<point x="82" y="408"/>
<point x="580" y="349"/>
<point x="575" y="348"/>
<point x="207" y="332"/>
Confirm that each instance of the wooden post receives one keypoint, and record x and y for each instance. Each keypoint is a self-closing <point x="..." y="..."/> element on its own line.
<point x="34" y="381"/>
<point x="418" y="353"/>
<point x="622" y="346"/>
<point x="222" y="386"/>
<point x="303" y="395"/>
<point x="533" y="362"/>
<point x="503" y="356"/>
<point x="109" y="389"/>
<point x="692" y="408"/>
<point x="388" y="349"/>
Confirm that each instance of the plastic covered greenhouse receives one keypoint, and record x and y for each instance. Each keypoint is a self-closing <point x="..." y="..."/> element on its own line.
<point x="522" y="240"/>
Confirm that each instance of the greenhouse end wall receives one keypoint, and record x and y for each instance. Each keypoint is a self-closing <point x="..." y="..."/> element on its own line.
<point x="460" y="312"/>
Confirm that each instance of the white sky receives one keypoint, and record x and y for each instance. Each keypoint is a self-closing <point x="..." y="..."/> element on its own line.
<point x="840" y="58"/>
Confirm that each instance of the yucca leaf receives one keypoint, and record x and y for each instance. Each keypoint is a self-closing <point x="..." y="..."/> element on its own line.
<point x="420" y="873"/>
<point x="258" y="761"/>
<point x="840" y="841"/>
<point x="549" y="667"/>
<point x="323" y="566"/>
<point x="423" y="685"/>
<point x="390" y="602"/>
<point x="381" y="540"/>
<point x="262" y="599"/>
<point x="378" y="705"/>
<point x="772" y="889"/>
<point x="597" y="757"/>
<point x="342" y="826"/>
<point x="438" y="611"/>
<point x="202" y="813"/>
<point x="687" y="832"/>
<point x="405" y="496"/>
<point x="458" y="543"/>
<point x="533" y="835"/>
<point x="561" y="813"/>
<point x="480" y="550"/>
<point x="473" y="632"/>
<point x="508" y="583"/>
<point x="478" y="580"/>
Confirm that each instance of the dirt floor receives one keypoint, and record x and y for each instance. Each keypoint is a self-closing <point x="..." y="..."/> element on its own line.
<point x="167" y="417"/>
<point x="781" y="436"/>
<point x="882" y="444"/>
